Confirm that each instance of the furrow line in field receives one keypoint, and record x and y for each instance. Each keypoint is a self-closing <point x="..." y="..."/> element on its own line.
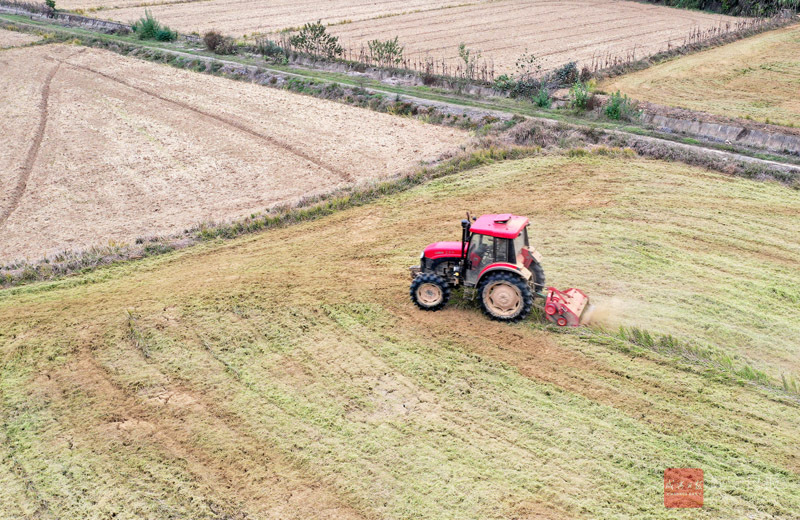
<point x="431" y="26"/>
<point x="560" y="36"/>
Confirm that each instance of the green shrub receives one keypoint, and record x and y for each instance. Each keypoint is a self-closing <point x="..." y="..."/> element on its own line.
<point x="148" y="28"/>
<point x="504" y="83"/>
<point x="211" y="39"/>
<point x="567" y="74"/>
<point x="388" y="53"/>
<point x="579" y="95"/>
<point x="542" y="98"/>
<point x="51" y="4"/>
<point x="620" y="107"/>
<point x="269" y="48"/>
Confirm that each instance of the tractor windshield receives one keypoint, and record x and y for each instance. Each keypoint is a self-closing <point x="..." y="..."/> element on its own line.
<point x="520" y="242"/>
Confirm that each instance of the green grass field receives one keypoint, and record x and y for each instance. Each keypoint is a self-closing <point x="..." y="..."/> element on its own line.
<point x="286" y="374"/>
<point x="756" y="78"/>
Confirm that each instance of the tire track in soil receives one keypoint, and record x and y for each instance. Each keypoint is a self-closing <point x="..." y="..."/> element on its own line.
<point x="224" y="120"/>
<point x="33" y="151"/>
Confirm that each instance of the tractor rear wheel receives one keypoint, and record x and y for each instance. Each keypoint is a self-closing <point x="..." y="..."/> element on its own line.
<point x="505" y="297"/>
<point x="430" y="292"/>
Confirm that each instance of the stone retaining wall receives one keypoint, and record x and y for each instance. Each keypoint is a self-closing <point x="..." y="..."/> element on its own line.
<point x="771" y="141"/>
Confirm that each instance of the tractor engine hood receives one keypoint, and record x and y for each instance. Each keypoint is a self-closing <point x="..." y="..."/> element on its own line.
<point x="443" y="250"/>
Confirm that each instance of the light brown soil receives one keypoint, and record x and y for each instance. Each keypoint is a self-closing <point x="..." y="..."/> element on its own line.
<point x="554" y="31"/>
<point x="15" y="39"/>
<point x="102" y="148"/>
<point x="249" y="16"/>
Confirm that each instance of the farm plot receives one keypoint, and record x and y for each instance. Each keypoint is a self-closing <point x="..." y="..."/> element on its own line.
<point x="287" y="375"/>
<point x="554" y="31"/>
<point x="756" y="78"/>
<point x="241" y="17"/>
<point x="557" y="31"/>
<point x="14" y="38"/>
<point x="96" y="147"/>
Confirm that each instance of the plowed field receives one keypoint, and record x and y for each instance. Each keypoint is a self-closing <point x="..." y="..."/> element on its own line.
<point x="557" y="31"/>
<point x="249" y="16"/>
<point x="98" y="147"/>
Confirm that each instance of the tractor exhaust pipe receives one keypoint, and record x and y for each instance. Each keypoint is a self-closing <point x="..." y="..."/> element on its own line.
<point x="567" y="308"/>
<point x="465" y="227"/>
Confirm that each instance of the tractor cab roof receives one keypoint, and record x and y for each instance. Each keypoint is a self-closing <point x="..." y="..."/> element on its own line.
<point x="504" y="225"/>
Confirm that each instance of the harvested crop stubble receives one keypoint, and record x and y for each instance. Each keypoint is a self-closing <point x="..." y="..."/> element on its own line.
<point x="555" y="31"/>
<point x="101" y="147"/>
<point x="15" y="38"/>
<point x="239" y="17"/>
<point x="758" y="77"/>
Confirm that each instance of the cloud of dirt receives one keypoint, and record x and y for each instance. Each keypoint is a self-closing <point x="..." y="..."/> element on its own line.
<point x="610" y="313"/>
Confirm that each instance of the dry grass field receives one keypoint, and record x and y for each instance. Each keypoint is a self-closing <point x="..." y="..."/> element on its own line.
<point x="15" y="38"/>
<point x="98" y="147"/>
<point x="758" y="78"/>
<point x="286" y="374"/>
<point x="557" y="31"/>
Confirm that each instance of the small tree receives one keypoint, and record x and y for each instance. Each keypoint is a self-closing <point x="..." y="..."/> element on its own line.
<point x="313" y="38"/>
<point x="388" y="53"/>
<point x="528" y="67"/>
<point x="470" y="58"/>
<point x="51" y="4"/>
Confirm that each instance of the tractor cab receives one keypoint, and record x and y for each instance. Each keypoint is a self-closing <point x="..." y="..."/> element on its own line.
<point x="495" y="262"/>
<point x="497" y="242"/>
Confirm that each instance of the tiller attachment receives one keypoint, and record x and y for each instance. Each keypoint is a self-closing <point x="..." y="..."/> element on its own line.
<point x="570" y="307"/>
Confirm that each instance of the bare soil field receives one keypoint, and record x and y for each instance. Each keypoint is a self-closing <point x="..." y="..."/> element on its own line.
<point x="96" y="147"/>
<point x="14" y="38"/>
<point x="756" y="78"/>
<point x="286" y="374"/>
<point x="557" y="31"/>
<point x="242" y="17"/>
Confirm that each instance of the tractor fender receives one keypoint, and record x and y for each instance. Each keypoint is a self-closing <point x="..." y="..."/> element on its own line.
<point x="500" y="266"/>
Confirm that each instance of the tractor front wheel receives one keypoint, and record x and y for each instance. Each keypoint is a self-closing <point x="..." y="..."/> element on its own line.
<point x="430" y="292"/>
<point x="505" y="297"/>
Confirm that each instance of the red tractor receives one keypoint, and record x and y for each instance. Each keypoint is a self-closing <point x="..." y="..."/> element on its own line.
<point x="494" y="261"/>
